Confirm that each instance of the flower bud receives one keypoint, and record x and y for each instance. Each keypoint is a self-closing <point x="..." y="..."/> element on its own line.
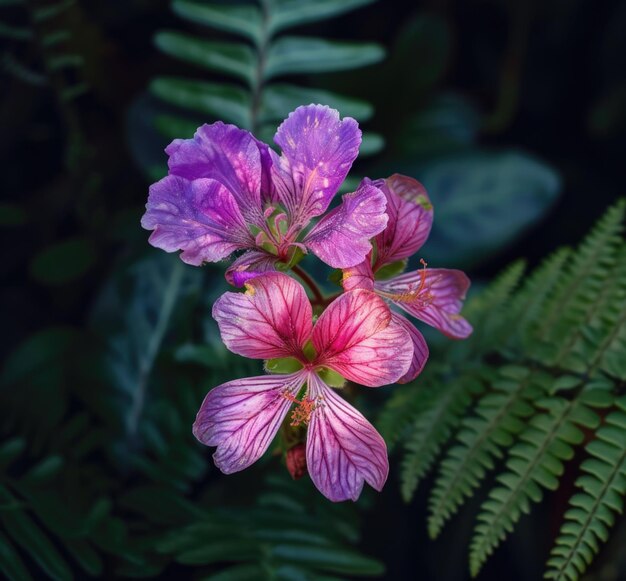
<point x="296" y="461"/>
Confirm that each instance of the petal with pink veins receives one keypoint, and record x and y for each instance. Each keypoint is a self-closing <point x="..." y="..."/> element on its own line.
<point x="410" y="219"/>
<point x="233" y="157"/>
<point x="342" y="237"/>
<point x="433" y="295"/>
<point x="420" y="348"/>
<point x="242" y="417"/>
<point x="359" y="276"/>
<point x="272" y="319"/>
<point x="318" y="149"/>
<point x="199" y="217"/>
<point x="249" y="265"/>
<point x="355" y="337"/>
<point x="343" y="449"/>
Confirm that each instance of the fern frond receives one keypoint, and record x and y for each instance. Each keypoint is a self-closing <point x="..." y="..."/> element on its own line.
<point x="498" y="417"/>
<point x="592" y="511"/>
<point x="439" y="415"/>
<point x="535" y="463"/>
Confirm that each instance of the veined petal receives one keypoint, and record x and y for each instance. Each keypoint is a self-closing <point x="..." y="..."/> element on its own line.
<point x="410" y="219"/>
<point x="241" y="417"/>
<point x="343" y="449"/>
<point x="359" y="276"/>
<point x="342" y="237"/>
<point x="355" y="337"/>
<point x="420" y="348"/>
<point x="317" y="152"/>
<point x="249" y="265"/>
<point x="199" y="217"/>
<point x="231" y="156"/>
<point x="433" y="295"/>
<point x="272" y="319"/>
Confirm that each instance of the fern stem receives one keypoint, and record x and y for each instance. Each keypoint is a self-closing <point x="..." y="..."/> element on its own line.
<point x="147" y="363"/>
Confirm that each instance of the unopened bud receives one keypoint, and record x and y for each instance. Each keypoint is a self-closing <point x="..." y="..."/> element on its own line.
<point x="296" y="461"/>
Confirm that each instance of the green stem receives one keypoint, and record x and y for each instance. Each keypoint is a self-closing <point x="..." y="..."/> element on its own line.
<point x="317" y="294"/>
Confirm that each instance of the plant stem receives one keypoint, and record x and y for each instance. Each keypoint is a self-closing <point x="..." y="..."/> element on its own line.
<point x="317" y="294"/>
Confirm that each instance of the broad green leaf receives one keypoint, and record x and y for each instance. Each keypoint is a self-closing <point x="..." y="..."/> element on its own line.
<point x="224" y="102"/>
<point x="236" y="18"/>
<point x="300" y="55"/>
<point x="280" y="99"/>
<point x="223" y="57"/>
<point x="289" y="13"/>
<point x="63" y="262"/>
<point x="484" y="201"/>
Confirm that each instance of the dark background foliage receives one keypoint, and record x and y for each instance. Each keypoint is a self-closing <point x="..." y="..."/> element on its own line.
<point x="513" y="114"/>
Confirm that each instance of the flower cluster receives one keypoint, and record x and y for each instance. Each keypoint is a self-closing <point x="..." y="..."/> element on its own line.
<point x="227" y="192"/>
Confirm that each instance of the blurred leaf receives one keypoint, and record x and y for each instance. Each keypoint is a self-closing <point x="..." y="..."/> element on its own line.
<point x="10" y="562"/>
<point x="289" y="13"/>
<point x="238" y="19"/>
<point x="281" y="99"/>
<point x="301" y="55"/>
<point x="608" y="114"/>
<point x="225" y="102"/>
<point x="63" y="262"/>
<point x="222" y="57"/>
<point x="483" y="202"/>
<point x="371" y="144"/>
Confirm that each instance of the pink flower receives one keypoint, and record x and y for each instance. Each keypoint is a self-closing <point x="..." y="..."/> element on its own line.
<point x="228" y="192"/>
<point x="433" y="295"/>
<point x="354" y="338"/>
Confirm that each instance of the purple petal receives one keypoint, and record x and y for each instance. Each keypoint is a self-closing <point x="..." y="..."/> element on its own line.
<point x="354" y="337"/>
<point x="242" y="417"/>
<point x="343" y="449"/>
<point x="200" y="217"/>
<point x="410" y="219"/>
<point x="271" y="319"/>
<point x="420" y="348"/>
<point x="231" y="156"/>
<point x="359" y="276"/>
<point x="341" y="238"/>
<point x="317" y="152"/>
<point x="433" y="295"/>
<point x="249" y="265"/>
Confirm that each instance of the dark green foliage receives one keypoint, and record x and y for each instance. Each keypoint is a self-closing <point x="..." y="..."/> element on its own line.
<point x="255" y="59"/>
<point x="542" y="375"/>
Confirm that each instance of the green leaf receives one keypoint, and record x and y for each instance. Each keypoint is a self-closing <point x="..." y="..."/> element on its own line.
<point x="288" y="13"/>
<point x="244" y="20"/>
<point x="484" y="201"/>
<point x="391" y="270"/>
<point x="224" y="102"/>
<point x="371" y="144"/>
<point x="280" y="99"/>
<point x="301" y="55"/>
<point x="222" y="57"/>
<point x="10" y="562"/>
<point x="63" y="262"/>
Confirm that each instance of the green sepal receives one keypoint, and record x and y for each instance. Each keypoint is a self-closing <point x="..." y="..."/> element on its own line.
<point x="331" y="378"/>
<point x="336" y="277"/>
<point x="390" y="270"/>
<point x="283" y="365"/>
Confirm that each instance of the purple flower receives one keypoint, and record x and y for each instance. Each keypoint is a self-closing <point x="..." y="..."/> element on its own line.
<point x="354" y="338"/>
<point x="226" y="191"/>
<point x="433" y="295"/>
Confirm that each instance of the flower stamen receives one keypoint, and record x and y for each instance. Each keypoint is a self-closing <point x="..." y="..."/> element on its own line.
<point x="301" y="414"/>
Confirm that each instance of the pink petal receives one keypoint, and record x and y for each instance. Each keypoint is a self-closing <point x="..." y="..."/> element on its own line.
<point x="420" y="348"/>
<point x="410" y="219"/>
<point x="359" y="276"/>
<point x="242" y="417"/>
<point x="200" y="217"/>
<point x="317" y="152"/>
<point x="231" y="156"/>
<point x="249" y="265"/>
<point x="343" y="449"/>
<point x="433" y="295"/>
<point x="271" y="319"/>
<point x="341" y="238"/>
<point x="354" y="337"/>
